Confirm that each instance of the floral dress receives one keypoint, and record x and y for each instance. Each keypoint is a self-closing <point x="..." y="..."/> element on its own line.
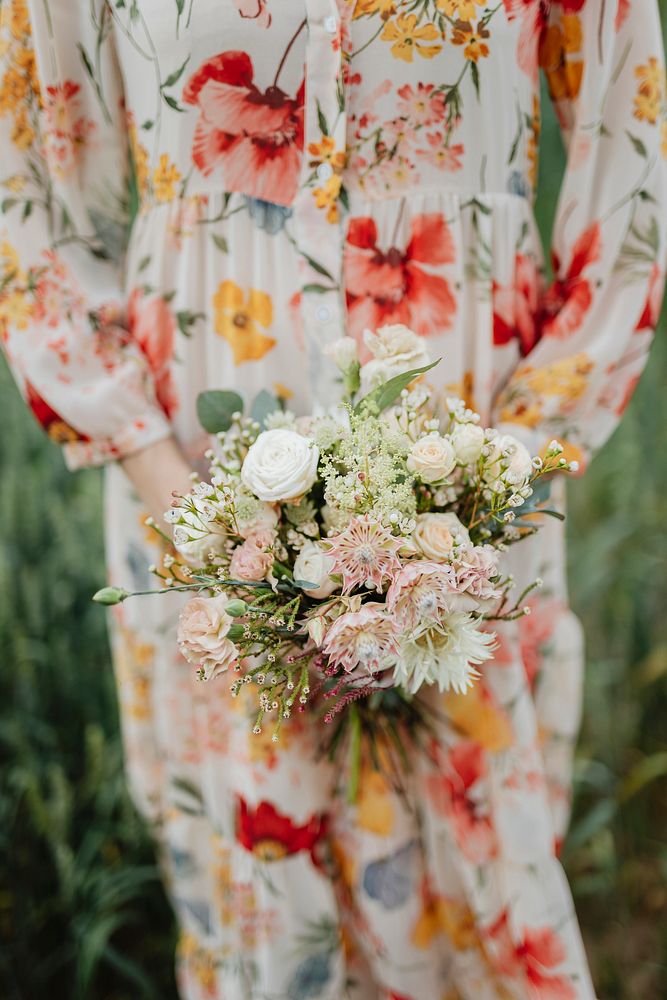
<point x="294" y="170"/>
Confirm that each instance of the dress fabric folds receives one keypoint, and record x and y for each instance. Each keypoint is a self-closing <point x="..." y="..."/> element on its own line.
<point x="295" y="170"/>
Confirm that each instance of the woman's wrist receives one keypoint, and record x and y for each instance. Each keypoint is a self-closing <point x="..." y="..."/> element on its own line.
<point x="156" y="473"/>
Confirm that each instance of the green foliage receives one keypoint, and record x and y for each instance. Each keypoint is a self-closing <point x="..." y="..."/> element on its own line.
<point x="82" y="913"/>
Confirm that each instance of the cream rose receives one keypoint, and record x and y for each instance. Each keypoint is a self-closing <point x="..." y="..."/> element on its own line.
<point x="202" y="635"/>
<point x="436" y="535"/>
<point x="509" y="460"/>
<point x="280" y="465"/>
<point x="313" y="565"/>
<point x="432" y="458"/>
<point x="343" y="352"/>
<point x="468" y="441"/>
<point x="395" y="350"/>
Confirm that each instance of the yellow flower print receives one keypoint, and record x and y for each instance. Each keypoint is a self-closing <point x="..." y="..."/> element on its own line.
<point x="19" y="19"/>
<point x="23" y="134"/>
<point x="238" y="319"/>
<point x="567" y="378"/>
<point x="327" y="197"/>
<point x="140" y="161"/>
<point x="462" y="10"/>
<point x="326" y="152"/>
<point x="449" y="915"/>
<point x="16" y="183"/>
<point x="408" y="38"/>
<point x="282" y="391"/>
<point x="479" y="719"/>
<point x="200" y="962"/>
<point x="651" y="90"/>
<point x="560" y="57"/>
<point x="473" y="40"/>
<point x="663" y="143"/>
<point x="532" y="145"/>
<point x="375" y="810"/>
<point x="15" y="309"/>
<point x="165" y="178"/>
<point x="365" y="8"/>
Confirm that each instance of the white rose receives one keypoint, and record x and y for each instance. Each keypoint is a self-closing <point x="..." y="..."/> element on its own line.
<point x="436" y="535"/>
<point x="468" y="441"/>
<point x="432" y="458"/>
<point x="280" y="465"/>
<point x="395" y="350"/>
<point x="313" y="564"/>
<point x="510" y="459"/>
<point x="343" y="352"/>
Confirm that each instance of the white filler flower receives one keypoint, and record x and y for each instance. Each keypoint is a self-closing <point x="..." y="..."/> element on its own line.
<point x="281" y="465"/>
<point x="443" y="653"/>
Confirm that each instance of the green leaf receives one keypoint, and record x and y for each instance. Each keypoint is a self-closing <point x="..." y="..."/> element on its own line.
<point x="324" y="128"/>
<point x="475" y="76"/>
<point x="175" y="76"/>
<point x="8" y="203"/>
<point x="185" y="319"/>
<point x="318" y="267"/>
<point x="172" y="102"/>
<point x="215" y="409"/>
<point x="384" y="395"/>
<point x="180" y="6"/>
<point x="263" y="404"/>
<point x="220" y="242"/>
<point x="637" y="144"/>
<point x="317" y="289"/>
<point x="143" y="263"/>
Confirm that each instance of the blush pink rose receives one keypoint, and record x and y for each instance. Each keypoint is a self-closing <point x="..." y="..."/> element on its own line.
<point x="251" y="561"/>
<point x="202" y="635"/>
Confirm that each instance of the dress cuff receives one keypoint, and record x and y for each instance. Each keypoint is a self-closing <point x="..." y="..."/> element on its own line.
<point x="145" y="430"/>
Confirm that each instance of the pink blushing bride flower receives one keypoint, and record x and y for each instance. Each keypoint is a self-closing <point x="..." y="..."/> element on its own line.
<point x="365" y="554"/>
<point x="422" y="590"/>
<point x="366" y="638"/>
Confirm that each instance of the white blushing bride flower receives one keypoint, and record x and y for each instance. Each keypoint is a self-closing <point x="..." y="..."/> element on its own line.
<point x="281" y="465"/>
<point x="443" y="652"/>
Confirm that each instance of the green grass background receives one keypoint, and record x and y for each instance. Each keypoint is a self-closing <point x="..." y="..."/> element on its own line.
<point x="82" y="912"/>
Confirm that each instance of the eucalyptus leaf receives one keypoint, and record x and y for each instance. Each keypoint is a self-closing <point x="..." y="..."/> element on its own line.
<point x="263" y="404"/>
<point x="305" y="585"/>
<point x="384" y="395"/>
<point x="215" y="409"/>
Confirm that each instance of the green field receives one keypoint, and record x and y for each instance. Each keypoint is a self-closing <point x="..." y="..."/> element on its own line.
<point x="82" y="913"/>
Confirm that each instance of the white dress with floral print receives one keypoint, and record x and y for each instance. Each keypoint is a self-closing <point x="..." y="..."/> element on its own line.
<point x="296" y="169"/>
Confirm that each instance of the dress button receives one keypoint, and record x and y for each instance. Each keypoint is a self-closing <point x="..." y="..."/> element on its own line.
<point x="323" y="314"/>
<point x="331" y="24"/>
<point x="324" y="171"/>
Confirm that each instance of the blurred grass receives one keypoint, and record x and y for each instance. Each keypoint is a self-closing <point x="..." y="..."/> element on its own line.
<point x="82" y="912"/>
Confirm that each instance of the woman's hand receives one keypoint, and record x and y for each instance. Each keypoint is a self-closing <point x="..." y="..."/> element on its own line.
<point x="156" y="472"/>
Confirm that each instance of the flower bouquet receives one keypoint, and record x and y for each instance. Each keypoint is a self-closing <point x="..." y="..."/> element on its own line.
<point x="345" y="560"/>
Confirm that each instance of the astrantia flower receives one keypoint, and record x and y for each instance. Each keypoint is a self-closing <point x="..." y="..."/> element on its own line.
<point x="421" y="592"/>
<point x="365" y="554"/>
<point x="366" y="638"/>
<point x="443" y="653"/>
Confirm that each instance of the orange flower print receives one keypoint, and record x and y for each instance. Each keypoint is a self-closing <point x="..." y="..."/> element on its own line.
<point x="165" y="178"/>
<point x="462" y="10"/>
<point x="561" y="57"/>
<point x="457" y="792"/>
<point x="473" y="40"/>
<point x="650" y="92"/>
<point x="408" y="36"/>
<point x="395" y="285"/>
<point x="239" y="319"/>
<point x="326" y="197"/>
<point x="67" y="132"/>
<point x="529" y="959"/>
<point x="54" y="425"/>
<point x="153" y="326"/>
<point x="366" y="8"/>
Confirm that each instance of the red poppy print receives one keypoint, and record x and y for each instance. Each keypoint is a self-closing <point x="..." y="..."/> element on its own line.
<point x="271" y="835"/>
<point x="393" y="285"/>
<point x="456" y="792"/>
<point x="533" y="15"/>
<point x="569" y="298"/>
<point x="153" y="327"/>
<point x="54" y="425"/>
<point x="252" y="137"/>
<point x="530" y="960"/>
<point x="651" y="312"/>
<point x="516" y="306"/>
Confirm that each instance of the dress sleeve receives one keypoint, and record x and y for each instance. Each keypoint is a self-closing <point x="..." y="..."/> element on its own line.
<point x="605" y="70"/>
<point x="65" y="190"/>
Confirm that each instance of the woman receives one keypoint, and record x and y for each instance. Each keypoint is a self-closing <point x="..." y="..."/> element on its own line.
<point x="297" y="170"/>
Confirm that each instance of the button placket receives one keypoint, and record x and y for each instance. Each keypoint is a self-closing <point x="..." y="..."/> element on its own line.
<point x="320" y="240"/>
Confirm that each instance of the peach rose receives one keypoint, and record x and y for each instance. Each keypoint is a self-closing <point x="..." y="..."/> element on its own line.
<point x="202" y="635"/>
<point x="436" y="535"/>
<point x="251" y="561"/>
